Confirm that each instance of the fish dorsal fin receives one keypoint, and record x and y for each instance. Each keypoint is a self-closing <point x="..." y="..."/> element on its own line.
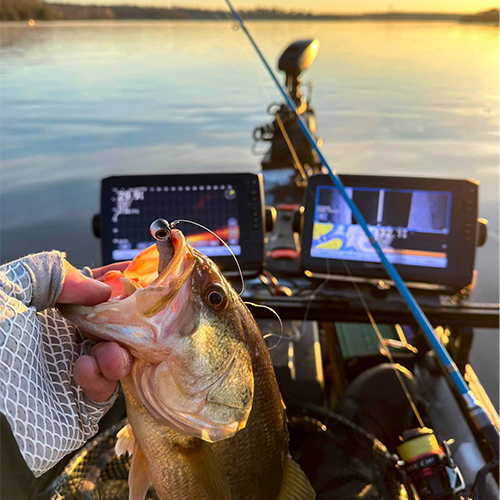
<point x="206" y="470"/>
<point x="138" y="477"/>
<point x="295" y="485"/>
<point x="125" y="441"/>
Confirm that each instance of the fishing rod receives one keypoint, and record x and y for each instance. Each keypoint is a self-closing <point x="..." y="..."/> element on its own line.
<point x="481" y="419"/>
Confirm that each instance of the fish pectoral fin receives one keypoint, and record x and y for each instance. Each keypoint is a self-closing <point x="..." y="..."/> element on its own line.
<point x="138" y="477"/>
<point x="206" y="470"/>
<point x="125" y="441"/>
<point x="295" y="485"/>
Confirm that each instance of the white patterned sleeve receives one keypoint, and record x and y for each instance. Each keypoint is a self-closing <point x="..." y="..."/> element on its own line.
<point x="48" y="412"/>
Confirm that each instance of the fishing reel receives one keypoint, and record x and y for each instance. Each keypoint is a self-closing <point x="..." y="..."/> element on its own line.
<point x="428" y="466"/>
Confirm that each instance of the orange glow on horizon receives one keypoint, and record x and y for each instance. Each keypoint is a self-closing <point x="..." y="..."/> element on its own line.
<point x="321" y="6"/>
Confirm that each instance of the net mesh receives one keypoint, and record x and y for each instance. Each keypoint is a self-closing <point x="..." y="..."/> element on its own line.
<point x="340" y="459"/>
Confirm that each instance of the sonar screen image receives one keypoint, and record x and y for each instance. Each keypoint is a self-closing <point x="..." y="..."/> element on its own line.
<point x="214" y="206"/>
<point x="411" y="226"/>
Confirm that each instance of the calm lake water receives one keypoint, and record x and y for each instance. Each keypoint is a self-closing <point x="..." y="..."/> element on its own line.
<point x="82" y="101"/>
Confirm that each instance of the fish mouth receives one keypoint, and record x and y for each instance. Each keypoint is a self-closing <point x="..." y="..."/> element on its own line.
<point x="128" y="319"/>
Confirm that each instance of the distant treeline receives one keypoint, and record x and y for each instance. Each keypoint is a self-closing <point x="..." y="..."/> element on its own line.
<point x="490" y="16"/>
<point x="23" y="10"/>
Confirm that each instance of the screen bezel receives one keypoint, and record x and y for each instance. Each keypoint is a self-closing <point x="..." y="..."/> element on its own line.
<point x="251" y="258"/>
<point x="462" y="239"/>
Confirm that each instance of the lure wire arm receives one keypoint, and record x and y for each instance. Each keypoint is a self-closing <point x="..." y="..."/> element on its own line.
<point x="480" y="418"/>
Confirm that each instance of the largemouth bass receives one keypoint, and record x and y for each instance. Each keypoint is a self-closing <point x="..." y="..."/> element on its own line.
<point x="206" y="416"/>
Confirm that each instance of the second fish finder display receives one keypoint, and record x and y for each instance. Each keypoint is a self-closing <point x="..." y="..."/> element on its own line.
<point x="411" y="226"/>
<point x="212" y="205"/>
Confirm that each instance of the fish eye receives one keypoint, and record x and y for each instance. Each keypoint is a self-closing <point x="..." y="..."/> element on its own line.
<point x="216" y="297"/>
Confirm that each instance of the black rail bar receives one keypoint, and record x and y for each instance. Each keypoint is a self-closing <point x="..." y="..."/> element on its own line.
<point x="472" y="314"/>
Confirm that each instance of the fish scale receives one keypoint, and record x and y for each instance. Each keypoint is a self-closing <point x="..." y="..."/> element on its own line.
<point x="262" y="446"/>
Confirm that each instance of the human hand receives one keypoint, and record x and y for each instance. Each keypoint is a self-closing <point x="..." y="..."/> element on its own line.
<point x="80" y="289"/>
<point x="41" y="362"/>
<point x="97" y="374"/>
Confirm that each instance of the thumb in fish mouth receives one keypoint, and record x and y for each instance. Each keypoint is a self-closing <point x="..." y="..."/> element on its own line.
<point x="79" y="289"/>
<point x="83" y="290"/>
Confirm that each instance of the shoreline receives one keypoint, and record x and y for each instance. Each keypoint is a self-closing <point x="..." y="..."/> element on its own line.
<point x="350" y="20"/>
<point x="37" y="10"/>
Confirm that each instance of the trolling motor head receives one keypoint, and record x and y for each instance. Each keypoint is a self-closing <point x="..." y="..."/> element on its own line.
<point x="296" y="58"/>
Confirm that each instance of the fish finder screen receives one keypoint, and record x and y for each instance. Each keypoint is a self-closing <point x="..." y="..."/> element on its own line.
<point x="411" y="226"/>
<point x="212" y="205"/>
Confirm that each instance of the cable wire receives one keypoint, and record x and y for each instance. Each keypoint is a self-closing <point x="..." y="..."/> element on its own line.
<point x="296" y="160"/>
<point x="222" y="241"/>
<point x="385" y="347"/>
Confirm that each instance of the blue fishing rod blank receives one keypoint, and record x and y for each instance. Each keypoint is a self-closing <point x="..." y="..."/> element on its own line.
<point x="477" y="412"/>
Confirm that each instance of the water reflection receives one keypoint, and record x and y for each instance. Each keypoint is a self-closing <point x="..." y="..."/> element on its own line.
<point x="82" y="101"/>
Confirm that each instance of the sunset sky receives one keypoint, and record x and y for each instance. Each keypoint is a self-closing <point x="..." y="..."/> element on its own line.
<point x="335" y="6"/>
